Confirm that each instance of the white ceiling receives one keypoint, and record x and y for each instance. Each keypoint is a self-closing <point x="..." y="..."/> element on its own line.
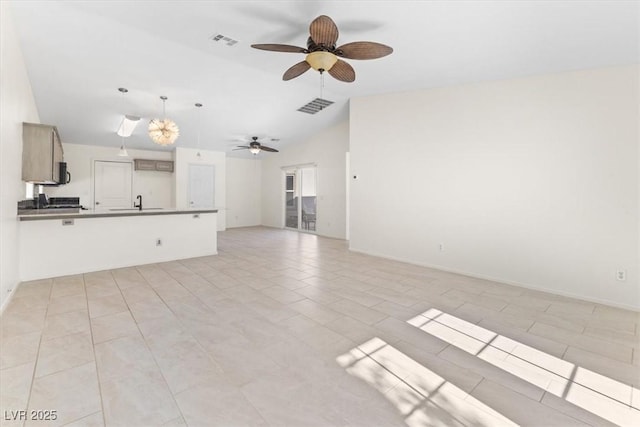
<point x="79" y="52"/>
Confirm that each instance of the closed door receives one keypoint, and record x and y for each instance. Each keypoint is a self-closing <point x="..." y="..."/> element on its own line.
<point x="202" y="188"/>
<point x="112" y="185"/>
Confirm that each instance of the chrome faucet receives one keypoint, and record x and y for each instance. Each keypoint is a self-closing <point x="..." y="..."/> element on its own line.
<point x="139" y="205"/>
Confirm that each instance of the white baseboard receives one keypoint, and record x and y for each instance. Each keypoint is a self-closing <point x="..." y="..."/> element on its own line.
<point x="7" y="300"/>
<point x="503" y="281"/>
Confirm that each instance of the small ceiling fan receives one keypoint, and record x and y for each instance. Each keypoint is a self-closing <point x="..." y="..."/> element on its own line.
<point x="255" y="147"/>
<point x="322" y="53"/>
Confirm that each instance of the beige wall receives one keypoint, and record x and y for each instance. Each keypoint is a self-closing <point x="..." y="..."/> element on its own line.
<point x="17" y="105"/>
<point x="530" y="181"/>
<point x="186" y="156"/>
<point x="327" y="150"/>
<point x="244" y="192"/>
<point x="156" y="188"/>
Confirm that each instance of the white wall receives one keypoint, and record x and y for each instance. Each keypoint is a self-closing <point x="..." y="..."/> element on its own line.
<point x="157" y="188"/>
<point x="186" y="156"/>
<point x="244" y="192"/>
<point x="327" y="149"/>
<point x="531" y="181"/>
<point x="95" y="244"/>
<point x="17" y="105"/>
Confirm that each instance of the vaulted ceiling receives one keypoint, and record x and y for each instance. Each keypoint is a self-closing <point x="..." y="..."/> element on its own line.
<point x="78" y="53"/>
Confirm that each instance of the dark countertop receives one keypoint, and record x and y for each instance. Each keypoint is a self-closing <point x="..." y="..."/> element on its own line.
<point x="45" y="214"/>
<point x="48" y="211"/>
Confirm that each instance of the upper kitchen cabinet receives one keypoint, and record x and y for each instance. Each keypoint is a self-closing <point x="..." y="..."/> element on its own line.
<point x="153" y="165"/>
<point x="41" y="154"/>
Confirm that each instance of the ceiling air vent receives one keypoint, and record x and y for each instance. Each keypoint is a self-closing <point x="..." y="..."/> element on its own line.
<point x="221" y="38"/>
<point x="316" y="105"/>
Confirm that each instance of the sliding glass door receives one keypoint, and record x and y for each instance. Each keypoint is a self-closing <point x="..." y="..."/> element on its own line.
<point x="300" y="199"/>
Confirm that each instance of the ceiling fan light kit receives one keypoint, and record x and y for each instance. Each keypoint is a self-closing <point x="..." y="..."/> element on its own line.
<point x="321" y="60"/>
<point x="163" y="131"/>
<point x="255" y="147"/>
<point x="323" y="55"/>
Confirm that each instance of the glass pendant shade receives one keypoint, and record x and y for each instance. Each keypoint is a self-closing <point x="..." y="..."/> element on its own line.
<point x="163" y="131"/>
<point x="321" y="60"/>
<point x="127" y="125"/>
<point x="123" y="151"/>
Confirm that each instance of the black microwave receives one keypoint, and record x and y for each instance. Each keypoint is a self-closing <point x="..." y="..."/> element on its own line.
<point x="65" y="175"/>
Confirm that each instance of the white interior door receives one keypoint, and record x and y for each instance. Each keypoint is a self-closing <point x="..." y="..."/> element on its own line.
<point x="112" y="185"/>
<point x="202" y="186"/>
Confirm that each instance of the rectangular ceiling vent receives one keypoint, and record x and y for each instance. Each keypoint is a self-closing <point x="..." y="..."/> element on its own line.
<point x="316" y="105"/>
<point x="221" y="38"/>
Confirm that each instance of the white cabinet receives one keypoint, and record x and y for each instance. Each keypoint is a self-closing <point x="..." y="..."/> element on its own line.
<point x="41" y="154"/>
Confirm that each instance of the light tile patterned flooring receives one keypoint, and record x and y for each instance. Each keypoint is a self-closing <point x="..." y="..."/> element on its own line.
<point x="290" y="329"/>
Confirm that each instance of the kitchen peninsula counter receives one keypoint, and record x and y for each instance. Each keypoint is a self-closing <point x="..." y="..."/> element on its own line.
<point x="45" y="214"/>
<point x="61" y="244"/>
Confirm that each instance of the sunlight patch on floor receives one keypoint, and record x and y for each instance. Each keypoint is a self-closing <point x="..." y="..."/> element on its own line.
<point x="421" y="395"/>
<point x="596" y="393"/>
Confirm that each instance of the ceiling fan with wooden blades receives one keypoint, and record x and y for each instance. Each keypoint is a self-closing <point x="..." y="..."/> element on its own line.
<point x="255" y="147"/>
<point x="323" y="55"/>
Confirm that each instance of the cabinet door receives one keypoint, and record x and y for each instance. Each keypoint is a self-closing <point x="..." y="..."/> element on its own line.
<point x="37" y="153"/>
<point x="145" y="165"/>
<point x="164" y="165"/>
<point x="57" y="155"/>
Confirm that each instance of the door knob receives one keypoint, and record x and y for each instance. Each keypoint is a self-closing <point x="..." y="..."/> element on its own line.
<point x="97" y="203"/>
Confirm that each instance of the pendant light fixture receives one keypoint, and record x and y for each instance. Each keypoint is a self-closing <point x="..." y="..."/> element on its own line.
<point x="198" y="105"/>
<point x="128" y="125"/>
<point x="163" y="131"/>
<point x="123" y="150"/>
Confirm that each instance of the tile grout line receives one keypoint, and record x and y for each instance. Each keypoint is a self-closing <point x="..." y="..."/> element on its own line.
<point x="570" y="380"/>
<point x="208" y="355"/>
<point x="146" y="344"/>
<point x="93" y="348"/>
<point x="173" y="395"/>
<point x="35" y="365"/>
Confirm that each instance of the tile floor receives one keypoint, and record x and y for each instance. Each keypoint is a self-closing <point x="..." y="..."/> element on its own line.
<point x="289" y="329"/>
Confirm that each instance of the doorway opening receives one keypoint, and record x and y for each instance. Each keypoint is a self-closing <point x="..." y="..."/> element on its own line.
<point x="300" y="199"/>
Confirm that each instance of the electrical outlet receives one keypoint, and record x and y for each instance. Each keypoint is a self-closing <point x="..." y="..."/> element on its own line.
<point x="621" y="275"/>
<point x="441" y="247"/>
<point x="158" y="242"/>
